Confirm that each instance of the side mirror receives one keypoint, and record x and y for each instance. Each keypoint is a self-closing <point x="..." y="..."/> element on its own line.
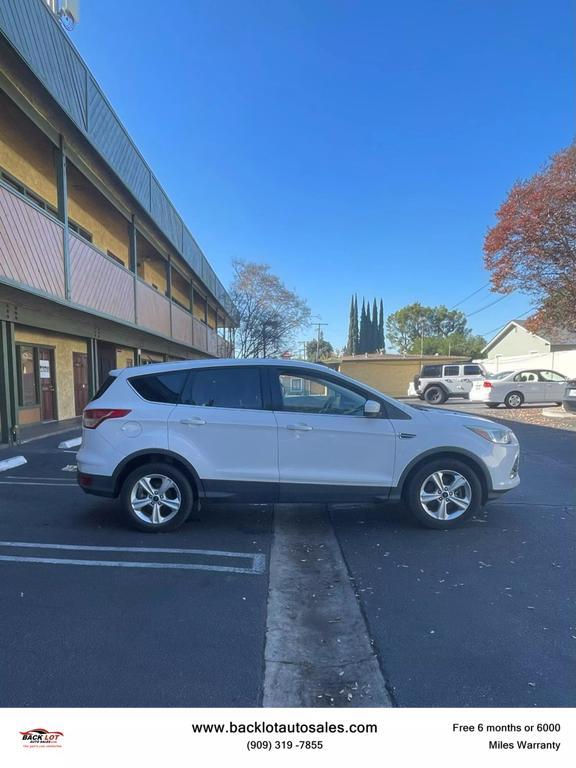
<point x="372" y="408"/>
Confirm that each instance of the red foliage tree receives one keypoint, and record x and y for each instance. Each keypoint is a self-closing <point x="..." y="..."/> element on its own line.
<point x="533" y="245"/>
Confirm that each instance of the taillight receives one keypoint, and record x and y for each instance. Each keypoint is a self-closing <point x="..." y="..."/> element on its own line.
<point x="487" y="384"/>
<point x="92" y="417"/>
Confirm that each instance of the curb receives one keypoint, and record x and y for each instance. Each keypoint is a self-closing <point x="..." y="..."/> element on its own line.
<point x="558" y="414"/>
<point x="15" y="461"/>
<point x="76" y="442"/>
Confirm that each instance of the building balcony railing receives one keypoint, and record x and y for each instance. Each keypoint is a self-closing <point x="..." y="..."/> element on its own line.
<point x="32" y="258"/>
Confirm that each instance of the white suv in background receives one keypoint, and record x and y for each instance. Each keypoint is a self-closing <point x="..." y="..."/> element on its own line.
<point x="437" y="382"/>
<point x="164" y="437"/>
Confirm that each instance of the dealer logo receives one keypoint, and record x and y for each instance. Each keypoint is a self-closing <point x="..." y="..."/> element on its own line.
<point x="40" y="737"/>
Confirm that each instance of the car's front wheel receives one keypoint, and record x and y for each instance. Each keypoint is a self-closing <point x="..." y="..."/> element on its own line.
<point x="157" y="498"/>
<point x="444" y="493"/>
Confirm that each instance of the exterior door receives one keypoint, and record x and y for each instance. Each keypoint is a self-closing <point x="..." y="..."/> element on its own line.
<point x="80" y="365"/>
<point x="223" y="430"/>
<point x="47" y="383"/>
<point x="324" y="438"/>
<point x="530" y="386"/>
<point x="553" y="386"/>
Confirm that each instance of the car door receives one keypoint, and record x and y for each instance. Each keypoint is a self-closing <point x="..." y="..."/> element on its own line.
<point x="324" y="439"/>
<point x="553" y="386"/>
<point x="528" y="383"/>
<point x="222" y="427"/>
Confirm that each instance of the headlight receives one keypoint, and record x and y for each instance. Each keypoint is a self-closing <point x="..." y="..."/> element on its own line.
<point x="495" y="434"/>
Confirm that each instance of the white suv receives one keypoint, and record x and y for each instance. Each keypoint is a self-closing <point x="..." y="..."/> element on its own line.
<point x="165" y="437"/>
<point x="436" y="383"/>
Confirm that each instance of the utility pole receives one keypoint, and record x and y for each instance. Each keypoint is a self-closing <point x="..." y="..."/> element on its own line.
<point x="303" y="349"/>
<point x="317" y="355"/>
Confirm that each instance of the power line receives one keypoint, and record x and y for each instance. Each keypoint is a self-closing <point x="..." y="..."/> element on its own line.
<point x="499" y="328"/>
<point x="487" y="306"/>
<point x="470" y="296"/>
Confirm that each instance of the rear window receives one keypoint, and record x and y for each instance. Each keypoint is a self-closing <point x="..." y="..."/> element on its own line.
<point x="160" y="387"/>
<point x="451" y="370"/>
<point x="431" y="372"/>
<point x="108" y="381"/>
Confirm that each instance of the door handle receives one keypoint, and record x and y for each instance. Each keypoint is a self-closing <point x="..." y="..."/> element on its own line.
<point x="299" y="427"/>
<point x="197" y="421"/>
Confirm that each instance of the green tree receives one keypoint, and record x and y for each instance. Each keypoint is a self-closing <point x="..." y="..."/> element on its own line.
<point x="325" y="349"/>
<point x="374" y="328"/>
<point x="362" y="341"/>
<point x="352" y="345"/>
<point x="381" y="339"/>
<point x="460" y="344"/>
<point x="410" y="325"/>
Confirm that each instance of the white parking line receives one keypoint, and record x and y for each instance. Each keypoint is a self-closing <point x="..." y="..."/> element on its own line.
<point x="15" y="461"/>
<point x="76" y="442"/>
<point x="258" y="560"/>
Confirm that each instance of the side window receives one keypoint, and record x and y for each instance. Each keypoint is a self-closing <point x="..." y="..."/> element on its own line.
<point x="224" y="388"/>
<point x="472" y="370"/>
<point x="160" y="387"/>
<point x="28" y="384"/>
<point x="313" y="394"/>
<point x="451" y="370"/>
<point x="431" y="372"/>
<point x="525" y="376"/>
<point x="552" y="376"/>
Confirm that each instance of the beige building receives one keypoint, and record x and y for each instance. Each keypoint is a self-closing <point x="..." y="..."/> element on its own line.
<point x="390" y="374"/>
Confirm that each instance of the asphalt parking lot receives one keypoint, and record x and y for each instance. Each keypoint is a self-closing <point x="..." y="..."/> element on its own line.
<point x="479" y="616"/>
<point x="122" y="635"/>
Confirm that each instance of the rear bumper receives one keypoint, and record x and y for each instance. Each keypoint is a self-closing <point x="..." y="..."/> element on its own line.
<point x="97" y="485"/>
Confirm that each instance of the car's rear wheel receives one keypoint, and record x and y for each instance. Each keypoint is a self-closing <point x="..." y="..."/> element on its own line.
<point x="444" y="493"/>
<point x="513" y="400"/>
<point x="435" y="395"/>
<point x="157" y="498"/>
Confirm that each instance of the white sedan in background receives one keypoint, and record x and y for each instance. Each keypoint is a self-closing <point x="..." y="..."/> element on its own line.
<point x="513" y="388"/>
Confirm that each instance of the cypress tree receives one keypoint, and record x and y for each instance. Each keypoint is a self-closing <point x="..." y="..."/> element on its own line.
<point x="374" y="327"/>
<point x="356" y="329"/>
<point x="352" y="345"/>
<point x="362" y="334"/>
<point x="381" y="339"/>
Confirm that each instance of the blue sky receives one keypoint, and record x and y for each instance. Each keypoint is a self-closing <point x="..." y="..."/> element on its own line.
<point x="354" y="145"/>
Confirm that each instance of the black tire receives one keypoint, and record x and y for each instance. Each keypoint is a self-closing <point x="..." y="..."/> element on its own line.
<point x="417" y="483"/>
<point x="435" y="395"/>
<point x="181" y="491"/>
<point x="514" y="399"/>
<point x="492" y="405"/>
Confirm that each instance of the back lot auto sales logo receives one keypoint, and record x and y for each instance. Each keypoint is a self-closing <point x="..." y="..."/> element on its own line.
<point x="40" y="737"/>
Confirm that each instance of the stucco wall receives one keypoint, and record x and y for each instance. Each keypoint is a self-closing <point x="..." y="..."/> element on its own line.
<point x="561" y="361"/>
<point x="90" y="209"/>
<point x="124" y="357"/>
<point x="64" y="346"/>
<point x="25" y="152"/>
<point x="389" y="376"/>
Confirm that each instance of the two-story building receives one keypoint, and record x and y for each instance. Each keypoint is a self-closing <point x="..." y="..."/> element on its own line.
<point x="97" y="269"/>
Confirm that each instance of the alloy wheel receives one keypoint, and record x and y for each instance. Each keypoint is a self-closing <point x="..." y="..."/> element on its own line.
<point x="445" y="494"/>
<point x="155" y="499"/>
